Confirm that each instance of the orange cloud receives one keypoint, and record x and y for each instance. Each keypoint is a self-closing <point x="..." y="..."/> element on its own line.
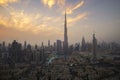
<point x="37" y="16"/>
<point x="61" y="2"/>
<point x="78" y="17"/>
<point x="34" y="23"/>
<point x="51" y="3"/>
<point x="5" y="2"/>
<point x="78" y="5"/>
<point x="18" y="20"/>
<point x="70" y="10"/>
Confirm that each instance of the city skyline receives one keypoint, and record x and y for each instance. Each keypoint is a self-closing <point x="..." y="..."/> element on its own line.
<point x="42" y="20"/>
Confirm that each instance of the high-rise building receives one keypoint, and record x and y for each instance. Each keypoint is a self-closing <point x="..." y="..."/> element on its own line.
<point x="59" y="46"/>
<point x="3" y="43"/>
<point x="49" y="46"/>
<point x="15" y="51"/>
<point x="94" y="46"/>
<point x="65" y="38"/>
<point x="77" y="46"/>
<point x="36" y="46"/>
<point x="25" y="44"/>
<point x="83" y="46"/>
<point x="54" y="46"/>
<point x="49" y="43"/>
<point x="42" y="45"/>
<point x="3" y="46"/>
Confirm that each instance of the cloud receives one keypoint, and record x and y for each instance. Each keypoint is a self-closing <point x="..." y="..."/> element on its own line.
<point x="78" y="5"/>
<point x="37" y="16"/>
<point x="51" y="3"/>
<point x="78" y="17"/>
<point x="5" y="2"/>
<point x="18" y="20"/>
<point x="35" y="23"/>
<point x="61" y="2"/>
<point x="70" y="10"/>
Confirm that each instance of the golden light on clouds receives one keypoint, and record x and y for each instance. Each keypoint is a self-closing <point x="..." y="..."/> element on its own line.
<point x="38" y="23"/>
<point x="22" y="21"/>
<point x="78" y="5"/>
<point x="44" y="19"/>
<point x="61" y="2"/>
<point x="51" y="3"/>
<point x="70" y="10"/>
<point x="78" y="17"/>
<point x="5" y="2"/>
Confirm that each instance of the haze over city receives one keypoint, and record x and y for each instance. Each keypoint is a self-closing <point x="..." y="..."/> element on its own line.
<point x="43" y="20"/>
<point x="59" y="40"/>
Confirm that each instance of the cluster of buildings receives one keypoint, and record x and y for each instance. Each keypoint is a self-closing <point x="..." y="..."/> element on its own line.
<point x="17" y="52"/>
<point x="71" y="66"/>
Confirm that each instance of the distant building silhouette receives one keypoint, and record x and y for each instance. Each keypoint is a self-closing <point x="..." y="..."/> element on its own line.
<point x="83" y="46"/>
<point x="25" y="44"/>
<point x="94" y="46"/>
<point x="43" y="55"/>
<point x="29" y="47"/>
<point x="77" y="46"/>
<point x="42" y="45"/>
<point x="49" y="43"/>
<point x="71" y="49"/>
<point x="54" y="46"/>
<point x="15" y="51"/>
<point x="36" y="46"/>
<point x="49" y="47"/>
<point x="0" y="50"/>
<point x="59" y="46"/>
<point x="65" y="38"/>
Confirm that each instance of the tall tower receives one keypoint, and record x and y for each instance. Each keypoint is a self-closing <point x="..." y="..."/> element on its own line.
<point x="94" y="46"/>
<point x="83" y="44"/>
<point x="25" y="44"/>
<point x="59" y="46"/>
<point x="49" y="43"/>
<point x="65" y="38"/>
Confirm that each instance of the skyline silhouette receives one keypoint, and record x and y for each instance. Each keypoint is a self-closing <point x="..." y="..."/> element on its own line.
<point x="42" y="20"/>
<point x="59" y="40"/>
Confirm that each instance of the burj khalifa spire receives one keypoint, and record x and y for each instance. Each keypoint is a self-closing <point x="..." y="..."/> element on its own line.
<point x="65" y="38"/>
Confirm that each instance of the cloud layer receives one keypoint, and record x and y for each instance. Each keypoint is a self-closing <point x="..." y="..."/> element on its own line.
<point x="5" y="2"/>
<point x="37" y="23"/>
<point x="77" y="18"/>
<point x="70" y="9"/>
<point x="51" y="3"/>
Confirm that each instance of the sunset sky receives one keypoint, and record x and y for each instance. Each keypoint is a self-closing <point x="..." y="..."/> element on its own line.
<point x="42" y="20"/>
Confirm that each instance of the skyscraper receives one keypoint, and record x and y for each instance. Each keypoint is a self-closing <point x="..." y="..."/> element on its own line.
<point x="15" y="51"/>
<point x="65" y="38"/>
<point x="83" y="46"/>
<point x="25" y="44"/>
<point x="59" y="46"/>
<point x="49" y="43"/>
<point x="42" y="45"/>
<point x="94" y="46"/>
